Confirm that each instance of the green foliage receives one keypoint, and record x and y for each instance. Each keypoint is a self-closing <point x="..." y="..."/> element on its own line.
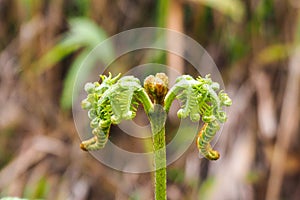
<point x="109" y="103"/>
<point x="135" y="196"/>
<point x="206" y="188"/>
<point x="273" y="53"/>
<point x="205" y="135"/>
<point x="236" y="46"/>
<point x="99" y="113"/>
<point x="123" y="99"/>
<point x="233" y="8"/>
<point x="297" y="39"/>
<point x="187" y="95"/>
<point x="114" y="100"/>
<point x="199" y="98"/>
<point x="38" y="190"/>
<point x="79" y="8"/>
<point x="83" y="35"/>
<point x="176" y="175"/>
<point x="264" y="10"/>
<point x="162" y="10"/>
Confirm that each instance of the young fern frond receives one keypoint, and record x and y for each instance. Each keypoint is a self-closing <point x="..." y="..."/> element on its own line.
<point x="109" y="103"/>
<point x="123" y="99"/>
<point x="116" y="99"/>
<point x="98" y="113"/>
<point x="199" y="98"/>
<point x="189" y="107"/>
<point x="204" y="138"/>
<point x="185" y="92"/>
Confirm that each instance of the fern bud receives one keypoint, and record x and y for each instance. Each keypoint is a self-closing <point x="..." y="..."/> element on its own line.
<point x="163" y="77"/>
<point x="157" y="87"/>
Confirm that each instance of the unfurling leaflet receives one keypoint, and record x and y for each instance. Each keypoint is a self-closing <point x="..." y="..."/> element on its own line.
<point x="109" y="103"/>
<point x="199" y="98"/>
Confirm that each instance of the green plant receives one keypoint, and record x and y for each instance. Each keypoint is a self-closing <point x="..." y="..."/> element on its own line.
<point x="116" y="99"/>
<point x="83" y="36"/>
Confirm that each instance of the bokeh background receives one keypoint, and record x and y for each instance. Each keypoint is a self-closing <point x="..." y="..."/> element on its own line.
<point x="254" y="44"/>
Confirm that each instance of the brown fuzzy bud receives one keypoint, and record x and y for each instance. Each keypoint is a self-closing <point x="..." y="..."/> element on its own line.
<point x="157" y="87"/>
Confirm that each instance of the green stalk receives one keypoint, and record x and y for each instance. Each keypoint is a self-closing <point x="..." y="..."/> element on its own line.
<point x="160" y="175"/>
<point x="157" y="119"/>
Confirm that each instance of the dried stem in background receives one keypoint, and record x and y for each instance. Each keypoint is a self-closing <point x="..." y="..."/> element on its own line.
<point x="287" y="128"/>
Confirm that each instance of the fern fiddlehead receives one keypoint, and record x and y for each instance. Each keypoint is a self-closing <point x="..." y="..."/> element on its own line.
<point x="199" y="98"/>
<point x="109" y="103"/>
<point x="184" y="91"/>
<point x="116" y="99"/>
<point x="204" y="138"/>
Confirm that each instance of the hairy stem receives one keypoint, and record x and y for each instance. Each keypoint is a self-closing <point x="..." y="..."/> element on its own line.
<point x="160" y="175"/>
<point x="157" y="119"/>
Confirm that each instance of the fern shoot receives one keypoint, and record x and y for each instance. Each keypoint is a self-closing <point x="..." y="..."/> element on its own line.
<point x="117" y="99"/>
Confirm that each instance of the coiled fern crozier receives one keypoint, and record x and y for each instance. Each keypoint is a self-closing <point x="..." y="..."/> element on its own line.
<point x="109" y="103"/>
<point x="199" y="98"/>
<point x="116" y="99"/>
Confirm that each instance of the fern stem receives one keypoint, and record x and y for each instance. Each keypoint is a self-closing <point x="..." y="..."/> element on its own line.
<point x="160" y="174"/>
<point x="157" y="119"/>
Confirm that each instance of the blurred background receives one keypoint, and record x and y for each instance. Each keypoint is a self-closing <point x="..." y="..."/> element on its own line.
<point x="254" y="44"/>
